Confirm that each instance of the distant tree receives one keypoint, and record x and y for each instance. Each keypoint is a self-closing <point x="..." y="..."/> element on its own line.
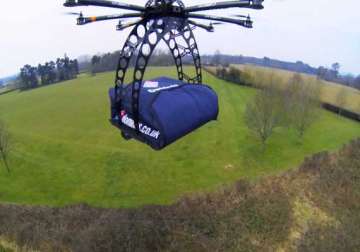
<point x="234" y="75"/>
<point x="47" y="73"/>
<point x="267" y="61"/>
<point x="221" y="72"/>
<point x="216" y="60"/>
<point x="261" y="114"/>
<point x="347" y="79"/>
<point x="4" y="145"/>
<point x="95" y="60"/>
<point x="341" y="99"/>
<point x="42" y="71"/>
<point x="336" y="68"/>
<point x="28" y="77"/>
<point x="60" y="69"/>
<point x="159" y="58"/>
<point x="51" y="71"/>
<point x="357" y="82"/>
<point x="76" y="66"/>
<point x="67" y="67"/>
<point x="303" y="101"/>
<point x="321" y="72"/>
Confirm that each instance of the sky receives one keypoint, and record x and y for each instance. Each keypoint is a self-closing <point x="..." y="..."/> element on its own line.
<point x="317" y="32"/>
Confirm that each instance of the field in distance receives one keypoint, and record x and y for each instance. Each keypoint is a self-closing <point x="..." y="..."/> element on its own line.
<point x="329" y="90"/>
<point x="66" y="152"/>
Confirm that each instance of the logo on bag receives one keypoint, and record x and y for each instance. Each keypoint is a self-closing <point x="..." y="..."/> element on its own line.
<point x="146" y="130"/>
<point x="162" y="88"/>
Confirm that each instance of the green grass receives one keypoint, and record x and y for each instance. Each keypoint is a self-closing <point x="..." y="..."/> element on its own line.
<point x="66" y="152"/>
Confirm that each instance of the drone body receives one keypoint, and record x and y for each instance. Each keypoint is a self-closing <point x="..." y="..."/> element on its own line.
<point x="169" y="21"/>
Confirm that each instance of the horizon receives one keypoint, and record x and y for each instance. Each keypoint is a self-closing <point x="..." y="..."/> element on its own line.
<point x="210" y="54"/>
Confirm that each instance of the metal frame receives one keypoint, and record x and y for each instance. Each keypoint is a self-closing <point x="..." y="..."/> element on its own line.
<point x="143" y="39"/>
<point x="161" y="20"/>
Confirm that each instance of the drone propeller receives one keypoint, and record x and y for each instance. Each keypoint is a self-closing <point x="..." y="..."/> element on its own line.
<point x="122" y="26"/>
<point x="245" y="23"/>
<point x="186" y="13"/>
<point x="252" y="4"/>
<point x="103" y="3"/>
<point x="74" y="13"/>
<point x="242" y="16"/>
<point x="208" y="28"/>
<point x="87" y="20"/>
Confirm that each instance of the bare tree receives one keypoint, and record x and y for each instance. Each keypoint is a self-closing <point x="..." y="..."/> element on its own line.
<point x="4" y="145"/>
<point x="261" y="114"/>
<point x="335" y="67"/>
<point x="341" y="99"/>
<point x="216" y="60"/>
<point x="303" y="101"/>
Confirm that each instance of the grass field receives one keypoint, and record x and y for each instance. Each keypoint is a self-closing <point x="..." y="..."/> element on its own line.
<point x="3" y="89"/>
<point x="66" y="152"/>
<point x="329" y="90"/>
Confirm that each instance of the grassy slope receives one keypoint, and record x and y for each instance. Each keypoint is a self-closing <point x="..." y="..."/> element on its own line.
<point x="66" y="152"/>
<point x="329" y="90"/>
<point x="313" y="208"/>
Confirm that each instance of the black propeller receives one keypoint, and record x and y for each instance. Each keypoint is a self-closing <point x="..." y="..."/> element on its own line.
<point x="168" y="10"/>
<point x="216" y="23"/>
<point x="208" y="28"/>
<point x="74" y="13"/>
<point x="86" y="20"/>
<point x="121" y="26"/>
<point x="103" y="3"/>
<point x="242" y="16"/>
<point x="251" y="4"/>
<point x="245" y="23"/>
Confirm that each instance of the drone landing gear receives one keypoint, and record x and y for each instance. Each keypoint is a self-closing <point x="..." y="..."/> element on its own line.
<point x="143" y="39"/>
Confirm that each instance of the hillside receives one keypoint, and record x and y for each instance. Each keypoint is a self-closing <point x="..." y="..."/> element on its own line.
<point x="66" y="152"/>
<point x="313" y="208"/>
<point x="329" y="90"/>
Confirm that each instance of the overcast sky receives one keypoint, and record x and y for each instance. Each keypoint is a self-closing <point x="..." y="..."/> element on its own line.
<point x="319" y="32"/>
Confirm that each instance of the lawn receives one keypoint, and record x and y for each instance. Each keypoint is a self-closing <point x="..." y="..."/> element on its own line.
<point x="66" y="152"/>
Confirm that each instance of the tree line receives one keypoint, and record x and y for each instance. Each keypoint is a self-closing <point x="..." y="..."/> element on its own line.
<point x="332" y="74"/>
<point x="235" y="75"/>
<point x="109" y="61"/>
<point x="325" y="73"/>
<point x="48" y="73"/>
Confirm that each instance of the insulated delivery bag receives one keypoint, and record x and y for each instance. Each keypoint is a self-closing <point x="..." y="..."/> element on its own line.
<point x="168" y="110"/>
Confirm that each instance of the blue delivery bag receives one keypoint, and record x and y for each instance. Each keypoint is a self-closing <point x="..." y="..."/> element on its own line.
<point x="168" y="110"/>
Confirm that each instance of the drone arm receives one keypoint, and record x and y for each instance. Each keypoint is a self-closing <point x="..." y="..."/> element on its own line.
<point x="87" y="20"/>
<point x="244" y="23"/>
<point x="203" y="26"/>
<point x="121" y="27"/>
<point x="252" y="4"/>
<point x="103" y="3"/>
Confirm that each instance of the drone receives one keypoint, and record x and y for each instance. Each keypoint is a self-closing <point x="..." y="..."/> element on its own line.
<point x="149" y="111"/>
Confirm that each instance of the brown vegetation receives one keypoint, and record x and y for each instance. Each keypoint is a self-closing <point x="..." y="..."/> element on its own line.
<point x="313" y="208"/>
